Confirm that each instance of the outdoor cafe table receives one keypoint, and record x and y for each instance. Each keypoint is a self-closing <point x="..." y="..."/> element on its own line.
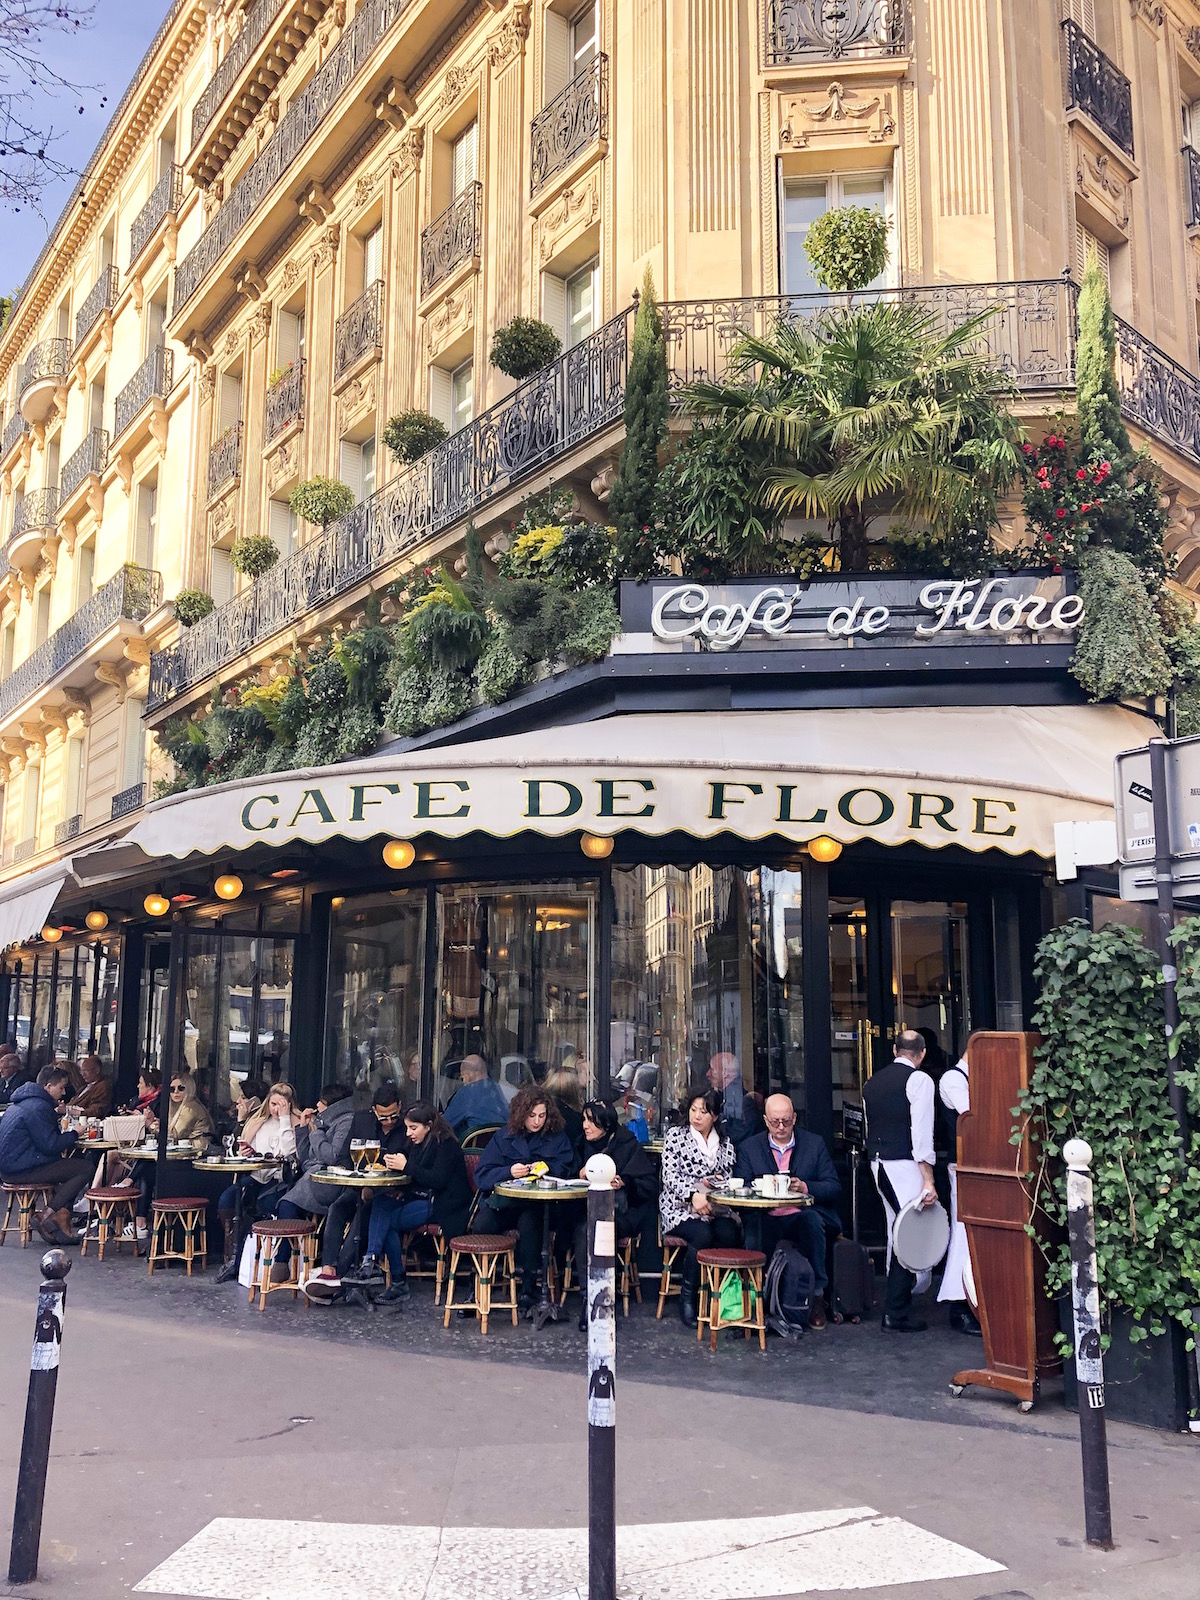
<point x="237" y="1165"/>
<point x="368" y="1178"/>
<point x="518" y="1189"/>
<point x="754" y="1204"/>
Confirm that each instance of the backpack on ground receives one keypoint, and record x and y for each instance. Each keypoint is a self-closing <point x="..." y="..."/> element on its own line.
<point x="788" y="1290"/>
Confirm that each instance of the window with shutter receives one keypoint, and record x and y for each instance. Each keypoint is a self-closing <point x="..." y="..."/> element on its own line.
<point x="73" y="788"/>
<point x="53" y="459"/>
<point x="30" y="801"/>
<point x="155" y="322"/>
<point x="465" y="163"/>
<point x="1086" y="243"/>
<point x="351" y="467"/>
<point x="283" y="528"/>
<point x="439" y="396"/>
<point x="581" y="304"/>
<point x="373" y="257"/>
<point x="133" y="756"/>
<point x="557" y="36"/>
<point x="41" y="616"/>
<point x="1083" y="12"/>
<point x="585" y="38"/>
<point x="554" y="305"/>
<point x="97" y="403"/>
<point x="220" y="580"/>
<point x="289" y="338"/>
<point x="804" y="200"/>
<point x="462" y="395"/>
<point x="85" y="572"/>
<point x="230" y="412"/>
<point x="147" y="518"/>
<point x="368" y="468"/>
<point x="10" y="649"/>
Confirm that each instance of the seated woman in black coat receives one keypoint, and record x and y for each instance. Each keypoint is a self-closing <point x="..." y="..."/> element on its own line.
<point x="636" y="1182"/>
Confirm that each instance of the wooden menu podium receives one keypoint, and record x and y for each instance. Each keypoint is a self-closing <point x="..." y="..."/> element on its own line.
<point x="1018" y="1321"/>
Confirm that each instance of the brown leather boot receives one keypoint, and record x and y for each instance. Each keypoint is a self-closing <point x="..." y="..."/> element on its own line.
<point x="229" y="1266"/>
<point x="55" y="1226"/>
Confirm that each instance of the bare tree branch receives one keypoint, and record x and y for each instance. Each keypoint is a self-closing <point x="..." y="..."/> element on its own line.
<point x="29" y="83"/>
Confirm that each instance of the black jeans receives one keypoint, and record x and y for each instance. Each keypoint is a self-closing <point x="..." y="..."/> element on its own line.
<point x="719" y="1233"/>
<point x="338" y="1220"/>
<point x="70" y="1175"/>
<point x="503" y="1216"/>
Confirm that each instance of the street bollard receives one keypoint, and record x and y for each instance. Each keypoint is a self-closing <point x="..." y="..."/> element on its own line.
<point x="1089" y="1363"/>
<point x="602" y="1370"/>
<point x="39" y="1418"/>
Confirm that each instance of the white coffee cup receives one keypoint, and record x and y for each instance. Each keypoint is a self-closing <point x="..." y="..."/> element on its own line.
<point x="783" y="1184"/>
<point x="735" y="1183"/>
<point x="765" y="1185"/>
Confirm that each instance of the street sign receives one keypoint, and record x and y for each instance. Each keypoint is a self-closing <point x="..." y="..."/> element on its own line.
<point x="1134" y="802"/>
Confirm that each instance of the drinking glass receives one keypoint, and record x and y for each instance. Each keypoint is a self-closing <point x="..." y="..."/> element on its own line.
<point x="372" y="1152"/>
<point x="358" y="1148"/>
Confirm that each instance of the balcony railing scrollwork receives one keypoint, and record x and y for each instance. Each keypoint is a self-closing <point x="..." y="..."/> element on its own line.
<point x="13" y="430"/>
<point x="1191" y="184"/>
<point x="573" y="121"/>
<point x="254" y="29"/>
<point x="285" y="402"/>
<point x="151" y="381"/>
<point x="125" y="803"/>
<point x="164" y="201"/>
<point x="452" y="238"/>
<point x="833" y="30"/>
<point x="225" y="460"/>
<point x="34" y="514"/>
<point x="1097" y="87"/>
<point x="102" y="297"/>
<point x="358" y="330"/>
<point x="48" y="361"/>
<point x="25" y="851"/>
<point x="131" y="594"/>
<point x="68" y="829"/>
<point x="85" y="462"/>
<point x="341" y="68"/>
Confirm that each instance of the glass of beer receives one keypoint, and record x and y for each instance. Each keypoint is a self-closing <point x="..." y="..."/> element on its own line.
<point x="358" y="1148"/>
<point x="372" y="1152"/>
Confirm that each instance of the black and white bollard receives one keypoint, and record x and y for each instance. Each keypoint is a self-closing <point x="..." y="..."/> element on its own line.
<point x="39" y="1418"/>
<point x="602" y="1379"/>
<point x="1089" y="1363"/>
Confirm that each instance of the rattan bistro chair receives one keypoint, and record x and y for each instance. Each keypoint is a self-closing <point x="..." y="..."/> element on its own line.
<point x="28" y="1198"/>
<point x="673" y="1246"/>
<point x="180" y="1232"/>
<point x="110" y="1209"/>
<point x="715" y="1267"/>
<point x="478" y="1137"/>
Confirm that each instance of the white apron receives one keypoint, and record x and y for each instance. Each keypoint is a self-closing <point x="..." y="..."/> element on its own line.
<point x="905" y="1178"/>
<point x="957" y="1280"/>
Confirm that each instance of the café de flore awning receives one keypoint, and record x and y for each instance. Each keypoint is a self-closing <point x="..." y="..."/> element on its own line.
<point x="981" y="778"/>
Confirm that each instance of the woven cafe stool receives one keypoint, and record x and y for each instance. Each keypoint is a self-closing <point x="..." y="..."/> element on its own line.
<point x="430" y="1231"/>
<point x="29" y="1198"/>
<point x="301" y="1235"/>
<point x="715" y="1267"/>
<point x="492" y="1260"/>
<point x="628" y="1280"/>
<point x="673" y="1246"/>
<point x="110" y="1209"/>
<point x="186" y="1213"/>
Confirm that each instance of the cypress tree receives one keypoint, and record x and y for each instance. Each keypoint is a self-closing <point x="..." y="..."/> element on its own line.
<point x="632" y="501"/>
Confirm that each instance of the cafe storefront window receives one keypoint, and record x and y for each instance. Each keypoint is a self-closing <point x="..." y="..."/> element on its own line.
<point x="62" y="1002"/>
<point x="376" y="992"/>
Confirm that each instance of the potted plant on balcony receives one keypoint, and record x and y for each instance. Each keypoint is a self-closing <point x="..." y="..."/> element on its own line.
<point x="278" y="374"/>
<point x="411" y="434"/>
<point x="253" y="555"/>
<point x="322" y="500"/>
<point x="523" y="346"/>
<point x="192" y="606"/>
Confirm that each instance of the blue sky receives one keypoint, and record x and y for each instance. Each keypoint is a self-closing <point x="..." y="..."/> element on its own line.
<point x="105" y="56"/>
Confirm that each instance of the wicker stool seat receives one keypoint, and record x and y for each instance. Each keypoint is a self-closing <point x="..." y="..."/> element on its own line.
<point x="110" y="1209"/>
<point x="716" y="1266"/>
<point x="186" y="1214"/>
<point x="275" y="1230"/>
<point x="492" y="1261"/>
<point x="29" y="1198"/>
<point x="673" y="1246"/>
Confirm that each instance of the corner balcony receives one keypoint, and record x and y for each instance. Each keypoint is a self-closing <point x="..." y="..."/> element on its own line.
<point x="42" y="376"/>
<point x="101" y="299"/>
<point x="15" y="430"/>
<point x="1098" y="88"/>
<point x="453" y="239"/>
<point x="352" y="90"/>
<point x="574" y="120"/>
<point x="799" y="31"/>
<point x="79" y="481"/>
<point x="149" y="386"/>
<point x="164" y="202"/>
<point x="33" y="523"/>
<point x="284" y="410"/>
<point x="358" y="334"/>
<point x="95" y="633"/>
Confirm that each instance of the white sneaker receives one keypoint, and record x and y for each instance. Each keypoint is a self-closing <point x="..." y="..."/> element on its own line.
<point x="143" y="1233"/>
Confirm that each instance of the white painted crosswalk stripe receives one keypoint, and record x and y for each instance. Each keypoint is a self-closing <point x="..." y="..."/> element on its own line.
<point x="751" y="1558"/>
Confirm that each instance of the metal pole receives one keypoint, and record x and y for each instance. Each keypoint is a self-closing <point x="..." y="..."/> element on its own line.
<point x="39" y="1418"/>
<point x="602" y="1379"/>
<point x="1089" y="1363"/>
<point x="1164" y="925"/>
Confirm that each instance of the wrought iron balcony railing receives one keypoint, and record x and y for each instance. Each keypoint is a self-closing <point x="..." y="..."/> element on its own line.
<point x="34" y="513"/>
<point x="25" y="851"/>
<point x="101" y="298"/>
<point x="833" y="30"/>
<point x="89" y="459"/>
<point x="452" y="238"/>
<point x="152" y="380"/>
<point x="1029" y="334"/>
<point x="285" y="402"/>
<point x="225" y="460"/>
<point x="64" y="832"/>
<point x="1098" y="88"/>
<point x="255" y="23"/>
<point x="342" y="68"/>
<point x="573" y="120"/>
<point x="165" y="199"/>
<point x="128" y="801"/>
<point x="358" y="329"/>
<point x="50" y="360"/>
<point x="130" y="594"/>
<point x="13" y="430"/>
<point x="1191" y="184"/>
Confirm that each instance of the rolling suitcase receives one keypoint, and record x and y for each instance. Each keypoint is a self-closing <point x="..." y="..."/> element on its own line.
<point x="853" y="1269"/>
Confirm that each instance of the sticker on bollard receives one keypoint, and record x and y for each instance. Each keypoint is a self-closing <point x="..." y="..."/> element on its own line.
<point x="602" y="1379"/>
<point x="39" y="1419"/>
<point x="1089" y="1360"/>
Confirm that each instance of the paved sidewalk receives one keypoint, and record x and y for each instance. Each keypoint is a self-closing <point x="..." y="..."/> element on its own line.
<point x="178" y="1405"/>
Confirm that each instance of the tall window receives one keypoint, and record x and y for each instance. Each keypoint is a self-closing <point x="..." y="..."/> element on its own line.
<point x="464" y="166"/>
<point x="156" y="318"/>
<point x="806" y="199"/>
<point x="30" y="801"/>
<point x="9" y="648"/>
<point x="572" y="42"/>
<point x="229" y="403"/>
<point x="1087" y="244"/>
<point x="584" y="38"/>
<point x="85" y="572"/>
<point x="462" y="395"/>
<point x="220" y="581"/>
<point x="284" y="528"/>
<point x="73" y="787"/>
<point x="373" y="257"/>
<point x="289" y="337"/>
<point x="581" y="304"/>
<point x="145" y="528"/>
<point x="133" y="754"/>
<point x="358" y="467"/>
<point x="53" y="462"/>
<point x="96" y="403"/>
<point x="1083" y="12"/>
<point x="41" y="616"/>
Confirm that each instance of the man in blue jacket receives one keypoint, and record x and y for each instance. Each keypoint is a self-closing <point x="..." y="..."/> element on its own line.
<point x="479" y="1101"/>
<point x="33" y="1150"/>
<point x="803" y="1156"/>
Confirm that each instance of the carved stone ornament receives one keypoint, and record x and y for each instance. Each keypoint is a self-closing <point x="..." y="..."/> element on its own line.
<point x="509" y="39"/>
<point x="408" y="156"/>
<point x="368" y="186"/>
<point x="208" y="382"/>
<point x="847" y="113"/>
<point x="1100" y="182"/>
<point x="292" y="273"/>
<point x="327" y="246"/>
<point x="571" y="214"/>
<point x="1148" y="11"/>
<point x="233" y="341"/>
<point x="221" y="519"/>
<point x="284" y="464"/>
<point x="264" y="123"/>
<point x="1192" y="40"/>
<point x="451" y="316"/>
<point x="260" y="323"/>
<point x="356" y="398"/>
<point x="331" y="25"/>
<point x="456" y="82"/>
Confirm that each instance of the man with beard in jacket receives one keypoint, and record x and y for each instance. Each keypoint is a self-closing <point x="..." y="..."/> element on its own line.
<point x="34" y="1150"/>
<point x="382" y="1120"/>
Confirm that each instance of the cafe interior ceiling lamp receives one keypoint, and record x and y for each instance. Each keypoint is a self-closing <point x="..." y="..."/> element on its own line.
<point x="51" y="934"/>
<point x="97" y="920"/>
<point x="823" y="848"/>
<point x="595" y="846"/>
<point x="398" y="854"/>
<point x="156" y="904"/>
<point x="228" y="886"/>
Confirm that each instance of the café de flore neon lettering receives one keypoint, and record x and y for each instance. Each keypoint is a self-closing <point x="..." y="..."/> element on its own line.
<point x="513" y="803"/>
<point x="1011" y="609"/>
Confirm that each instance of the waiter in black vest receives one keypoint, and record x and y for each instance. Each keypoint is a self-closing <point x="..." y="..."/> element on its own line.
<point x="898" y="1101"/>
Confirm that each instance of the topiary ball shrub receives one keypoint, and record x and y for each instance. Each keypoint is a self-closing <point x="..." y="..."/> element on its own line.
<point x="192" y="606"/>
<point x="322" y="500"/>
<point x="523" y="346"/>
<point x="411" y="434"/>
<point x="254" y="555"/>
<point x="848" y="247"/>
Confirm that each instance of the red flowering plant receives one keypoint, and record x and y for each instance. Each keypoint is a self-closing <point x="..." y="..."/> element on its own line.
<point x="1065" y="499"/>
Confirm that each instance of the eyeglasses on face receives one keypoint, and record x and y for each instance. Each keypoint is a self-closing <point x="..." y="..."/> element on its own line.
<point x="177" y="1088"/>
<point x="387" y="1116"/>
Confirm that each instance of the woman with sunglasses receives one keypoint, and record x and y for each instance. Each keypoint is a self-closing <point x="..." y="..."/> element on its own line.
<point x="189" y="1119"/>
<point x="635" y="1185"/>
